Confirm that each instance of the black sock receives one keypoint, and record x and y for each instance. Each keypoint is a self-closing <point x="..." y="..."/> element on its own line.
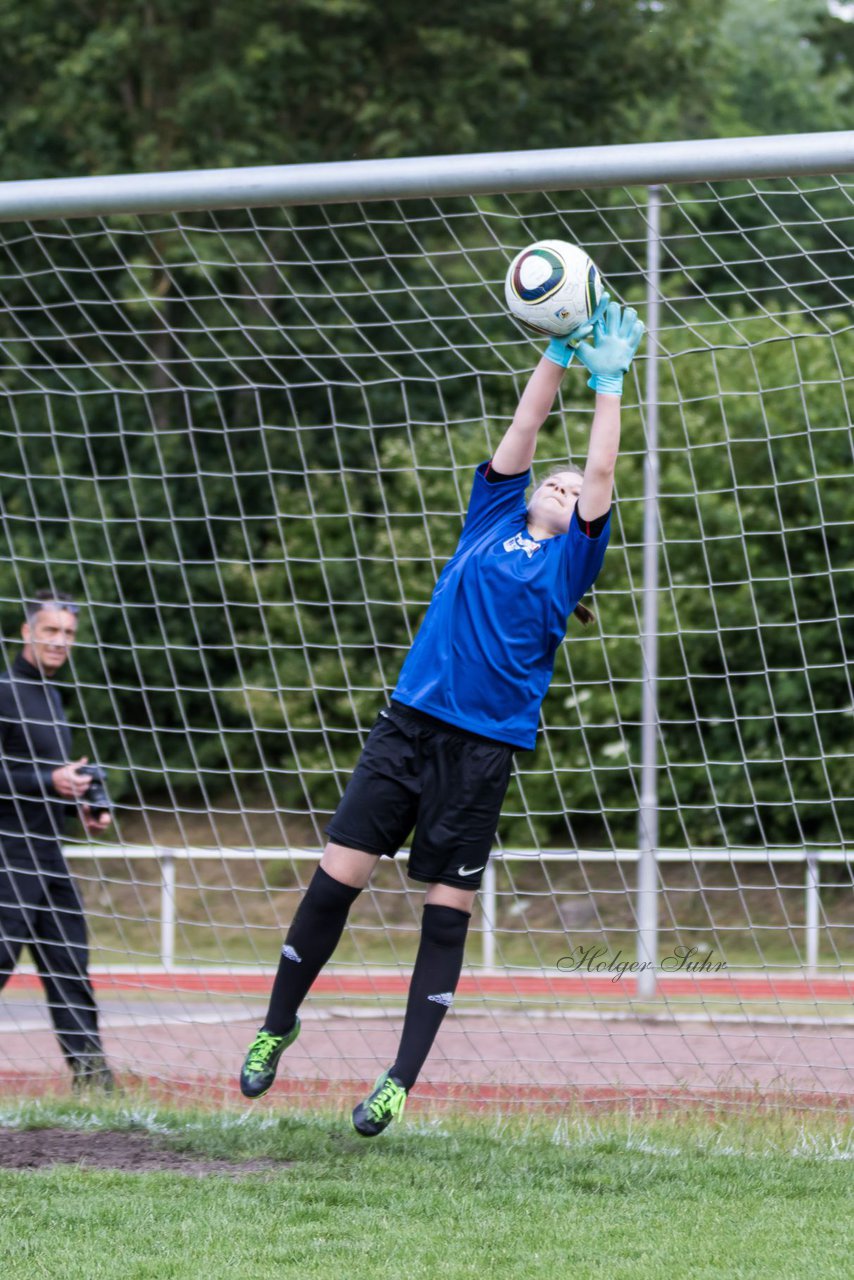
<point x="313" y="936"/>
<point x="431" y="991"/>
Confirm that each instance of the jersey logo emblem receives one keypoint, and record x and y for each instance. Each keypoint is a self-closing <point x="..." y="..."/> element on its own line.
<point x="521" y="542"/>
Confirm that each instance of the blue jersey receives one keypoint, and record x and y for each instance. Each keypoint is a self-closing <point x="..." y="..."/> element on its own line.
<point x="484" y="655"/>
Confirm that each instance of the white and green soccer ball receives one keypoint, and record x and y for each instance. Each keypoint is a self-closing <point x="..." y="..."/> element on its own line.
<point x="552" y="287"/>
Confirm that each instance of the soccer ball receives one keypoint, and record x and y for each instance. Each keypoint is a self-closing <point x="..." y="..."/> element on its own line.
<point x="552" y="287"/>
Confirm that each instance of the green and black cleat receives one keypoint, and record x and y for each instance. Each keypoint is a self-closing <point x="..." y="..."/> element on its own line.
<point x="385" y="1104"/>
<point x="262" y="1060"/>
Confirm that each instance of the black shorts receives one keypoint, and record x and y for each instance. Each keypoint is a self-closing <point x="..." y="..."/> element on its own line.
<point x="416" y="771"/>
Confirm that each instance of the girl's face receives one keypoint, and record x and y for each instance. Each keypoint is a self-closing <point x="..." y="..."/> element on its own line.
<point x="553" y="502"/>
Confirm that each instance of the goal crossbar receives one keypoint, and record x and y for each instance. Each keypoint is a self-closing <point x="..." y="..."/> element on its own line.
<point x="556" y="169"/>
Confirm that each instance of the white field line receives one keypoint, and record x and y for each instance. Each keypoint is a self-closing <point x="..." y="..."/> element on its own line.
<point x="226" y="1017"/>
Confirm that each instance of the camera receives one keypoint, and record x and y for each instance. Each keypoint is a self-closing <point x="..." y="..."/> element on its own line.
<point x="96" y="797"/>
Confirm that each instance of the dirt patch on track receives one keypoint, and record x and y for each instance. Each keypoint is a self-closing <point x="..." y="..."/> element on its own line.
<point x="114" y="1149"/>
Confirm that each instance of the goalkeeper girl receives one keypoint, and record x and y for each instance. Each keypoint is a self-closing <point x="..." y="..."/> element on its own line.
<point x="439" y="757"/>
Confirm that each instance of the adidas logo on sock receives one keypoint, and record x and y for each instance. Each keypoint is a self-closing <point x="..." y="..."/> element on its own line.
<point x="445" y="997"/>
<point x="290" y="954"/>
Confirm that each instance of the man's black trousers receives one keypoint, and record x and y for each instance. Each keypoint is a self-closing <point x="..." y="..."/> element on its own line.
<point x="40" y="908"/>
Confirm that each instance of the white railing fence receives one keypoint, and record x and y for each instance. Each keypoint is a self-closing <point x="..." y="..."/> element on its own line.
<point x="167" y="858"/>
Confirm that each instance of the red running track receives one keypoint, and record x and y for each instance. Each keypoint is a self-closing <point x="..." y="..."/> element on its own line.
<point x="732" y="987"/>
<point x="526" y="1043"/>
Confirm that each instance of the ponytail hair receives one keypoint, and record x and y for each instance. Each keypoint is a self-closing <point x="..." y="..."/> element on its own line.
<point x="584" y="615"/>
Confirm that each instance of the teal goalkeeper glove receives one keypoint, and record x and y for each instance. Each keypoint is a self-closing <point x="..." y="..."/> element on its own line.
<point x="561" y="350"/>
<point x="617" y="337"/>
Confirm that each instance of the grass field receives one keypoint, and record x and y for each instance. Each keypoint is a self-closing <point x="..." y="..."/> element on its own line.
<point x="615" y="1197"/>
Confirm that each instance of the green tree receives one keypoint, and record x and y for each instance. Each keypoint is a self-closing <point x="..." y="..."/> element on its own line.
<point x="103" y="87"/>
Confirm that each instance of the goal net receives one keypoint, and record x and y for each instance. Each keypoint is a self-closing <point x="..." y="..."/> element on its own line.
<point x="244" y="440"/>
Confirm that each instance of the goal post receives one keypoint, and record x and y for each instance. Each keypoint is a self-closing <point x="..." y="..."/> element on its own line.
<point x="240" y="412"/>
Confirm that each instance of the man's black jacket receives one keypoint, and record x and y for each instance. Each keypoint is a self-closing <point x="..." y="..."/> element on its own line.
<point x="34" y="740"/>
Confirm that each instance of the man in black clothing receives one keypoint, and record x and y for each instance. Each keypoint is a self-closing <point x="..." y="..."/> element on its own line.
<point x="39" y="904"/>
